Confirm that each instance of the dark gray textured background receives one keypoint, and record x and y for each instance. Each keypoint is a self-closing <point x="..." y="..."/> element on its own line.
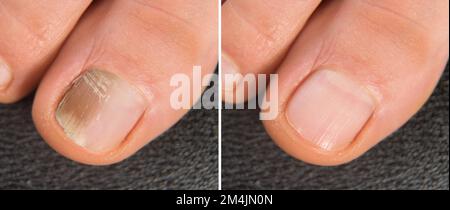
<point x="185" y="157"/>
<point x="414" y="157"/>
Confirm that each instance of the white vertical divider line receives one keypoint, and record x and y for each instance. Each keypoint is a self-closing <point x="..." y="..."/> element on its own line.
<point x="219" y="50"/>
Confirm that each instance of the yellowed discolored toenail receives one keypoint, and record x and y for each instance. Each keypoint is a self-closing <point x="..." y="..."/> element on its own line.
<point x="99" y="110"/>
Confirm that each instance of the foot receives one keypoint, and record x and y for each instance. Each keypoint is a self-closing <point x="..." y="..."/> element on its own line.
<point x="350" y="72"/>
<point x="106" y="94"/>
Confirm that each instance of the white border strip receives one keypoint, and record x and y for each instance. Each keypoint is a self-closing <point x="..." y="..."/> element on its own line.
<point x="219" y="42"/>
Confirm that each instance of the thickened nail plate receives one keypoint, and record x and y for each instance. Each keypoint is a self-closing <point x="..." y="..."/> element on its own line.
<point x="329" y="109"/>
<point x="5" y="75"/>
<point x="99" y="110"/>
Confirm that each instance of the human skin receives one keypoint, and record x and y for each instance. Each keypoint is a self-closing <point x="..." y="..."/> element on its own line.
<point x="376" y="61"/>
<point x="356" y="72"/>
<point x="137" y="46"/>
<point x="32" y="33"/>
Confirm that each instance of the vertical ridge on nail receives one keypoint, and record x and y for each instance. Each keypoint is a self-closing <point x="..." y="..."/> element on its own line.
<point x="99" y="110"/>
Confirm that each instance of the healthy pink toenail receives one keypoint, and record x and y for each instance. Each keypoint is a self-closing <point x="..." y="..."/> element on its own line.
<point x="329" y="109"/>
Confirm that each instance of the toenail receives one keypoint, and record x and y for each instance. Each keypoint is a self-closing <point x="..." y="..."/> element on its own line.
<point x="229" y="68"/>
<point x="329" y="109"/>
<point x="99" y="110"/>
<point x="5" y="76"/>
